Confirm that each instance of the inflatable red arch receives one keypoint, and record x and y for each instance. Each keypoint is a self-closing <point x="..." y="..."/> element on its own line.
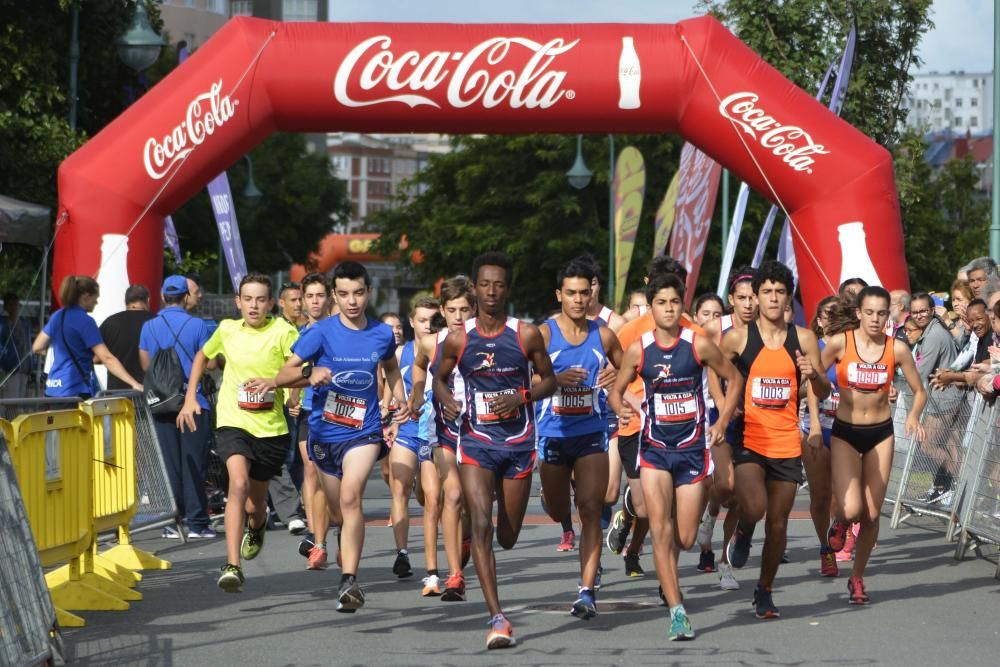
<point x="255" y="77"/>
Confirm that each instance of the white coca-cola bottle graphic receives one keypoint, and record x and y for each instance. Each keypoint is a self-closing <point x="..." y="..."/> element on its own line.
<point x="854" y="259"/>
<point x="629" y="76"/>
<point x="112" y="276"/>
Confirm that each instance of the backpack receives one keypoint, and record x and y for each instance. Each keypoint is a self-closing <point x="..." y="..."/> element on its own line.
<point x="165" y="384"/>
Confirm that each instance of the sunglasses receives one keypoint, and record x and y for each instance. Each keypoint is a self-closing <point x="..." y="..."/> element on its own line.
<point x="290" y="286"/>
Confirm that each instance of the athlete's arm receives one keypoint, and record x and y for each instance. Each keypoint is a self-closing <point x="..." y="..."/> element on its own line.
<point x="613" y="351"/>
<point x="534" y="350"/>
<point x="615" y="322"/>
<point x="290" y="374"/>
<point x="712" y="357"/>
<point x="191" y="408"/>
<point x="834" y="351"/>
<point x="394" y="382"/>
<point x="626" y="374"/>
<point x="810" y="363"/>
<point x="815" y="438"/>
<point x="418" y="372"/>
<point x="912" y="377"/>
<point x="452" y="347"/>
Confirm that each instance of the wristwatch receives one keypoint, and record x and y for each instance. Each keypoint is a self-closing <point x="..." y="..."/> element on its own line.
<point x="526" y="395"/>
<point x="307" y="371"/>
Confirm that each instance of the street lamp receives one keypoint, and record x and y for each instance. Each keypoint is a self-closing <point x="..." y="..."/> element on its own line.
<point x="579" y="177"/>
<point x="140" y="46"/>
<point x="251" y="191"/>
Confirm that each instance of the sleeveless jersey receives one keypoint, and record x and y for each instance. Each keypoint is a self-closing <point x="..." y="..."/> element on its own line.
<point x="674" y="403"/>
<point x="828" y="406"/>
<point x="860" y="375"/>
<point x="725" y="324"/>
<point x="771" y="395"/>
<point x="447" y="432"/>
<point x="411" y="428"/>
<point x="604" y="317"/>
<point x="575" y="410"/>
<point x="492" y="366"/>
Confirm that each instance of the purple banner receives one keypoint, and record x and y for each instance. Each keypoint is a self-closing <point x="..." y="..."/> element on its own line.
<point x="229" y="232"/>
<point x="170" y="240"/>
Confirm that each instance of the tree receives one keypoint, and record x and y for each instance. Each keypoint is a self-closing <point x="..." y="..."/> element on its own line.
<point x="510" y="193"/>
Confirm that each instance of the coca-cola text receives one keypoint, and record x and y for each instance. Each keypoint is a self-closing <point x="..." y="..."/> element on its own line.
<point x="789" y="142"/>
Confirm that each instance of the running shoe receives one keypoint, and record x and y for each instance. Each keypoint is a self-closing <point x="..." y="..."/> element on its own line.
<point x="206" y="533"/>
<point x="296" y="526"/>
<point x="763" y="604"/>
<point x="466" y="551"/>
<point x="501" y="634"/>
<point x="680" y="626"/>
<point x="706" y="561"/>
<point x="597" y="579"/>
<point x="606" y="511"/>
<point x="706" y="529"/>
<point x="253" y="540"/>
<point x="585" y="606"/>
<point x="231" y="580"/>
<point x="739" y="547"/>
<point x="617" y="534"/>
<point x="836" y="537"/>
<point x="306" y="545"/>
<point x="931" y="495"/>
<point x="432" y="586"/>
<point x="828" y="563"/>
<point x="568" y="542"/>
<point x="454" y="588"/>
<point x="350" y="597"/>
<point x="847" y="553"/>
<point x="632" y="567"/>
<point x="401" y="567"/>
<point x="317" y="559"/>
<point x="171" y="533"/>
<point x="856" y="591"/>
<point x="727" y="580"/>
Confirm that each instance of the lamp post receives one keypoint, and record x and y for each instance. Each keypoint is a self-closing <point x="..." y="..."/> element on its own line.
<point x="140" y="46"/>
<point x="579" y="177"/>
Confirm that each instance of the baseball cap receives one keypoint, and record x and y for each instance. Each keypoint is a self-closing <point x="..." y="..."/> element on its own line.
<point x="175" y="285"/>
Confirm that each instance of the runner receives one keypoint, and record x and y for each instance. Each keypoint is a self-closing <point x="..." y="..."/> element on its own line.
<point x="743" y="303"/>
<point x="771" y="356"/>
<point x="573" y="424"/>
<point x="251" y="433"/>
<point x="344" y="353"/>
<point x="673" y="455"/>
<point x="458" y="304"/>
<point x="862" y="436"/>
<point x="411" y="453"/>
<point x="815" y="424"/>
<point x="290" y="307"/>
<point x="496" y="356"/>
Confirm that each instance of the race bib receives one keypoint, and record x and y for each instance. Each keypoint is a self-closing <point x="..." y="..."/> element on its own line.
<point x="485" y="413"/>
<point x="867" y="377"/>
<point x="254" y="400"/>
<point x="828" y="406"/>
<point x="771" y="393"/>
<point x="573" y="402"/>
<point x="344" y="410"/>
<point x="675" y="408"/>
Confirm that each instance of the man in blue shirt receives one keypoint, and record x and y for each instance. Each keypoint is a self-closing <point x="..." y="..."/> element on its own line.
<point x="185" y="454"/>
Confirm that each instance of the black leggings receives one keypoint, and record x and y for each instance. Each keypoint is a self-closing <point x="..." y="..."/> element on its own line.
<point x="862" y="437"/>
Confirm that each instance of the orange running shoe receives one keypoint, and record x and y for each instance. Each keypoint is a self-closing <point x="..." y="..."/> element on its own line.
<point x="501" y="634"/>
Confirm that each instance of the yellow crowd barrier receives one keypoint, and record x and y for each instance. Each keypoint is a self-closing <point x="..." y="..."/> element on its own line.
<point x="77" y="473"/>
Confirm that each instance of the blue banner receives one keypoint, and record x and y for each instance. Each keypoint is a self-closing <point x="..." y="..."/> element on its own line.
<point x="229" y="231"/>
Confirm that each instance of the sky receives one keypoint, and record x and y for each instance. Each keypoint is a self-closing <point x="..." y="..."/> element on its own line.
<point x="961" y="40"/>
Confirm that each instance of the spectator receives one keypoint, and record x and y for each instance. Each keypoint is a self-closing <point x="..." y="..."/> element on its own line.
<point x="121" y="334"/>
<point x="962" y="369"/>
<point x="195" y="293"/>
<point x="989" y="384"/>
<point x="961" y="295"/>
<point x="185" y="454"/>
<point x="17" y="349"/>
<point x="899" y="310"/>
<point x="982" y="271"/>
<point x="75" y="341"/>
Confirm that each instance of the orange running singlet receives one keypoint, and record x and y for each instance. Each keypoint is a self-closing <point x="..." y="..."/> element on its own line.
<point x="771" y="398"/>
<point x="861" y="375"/>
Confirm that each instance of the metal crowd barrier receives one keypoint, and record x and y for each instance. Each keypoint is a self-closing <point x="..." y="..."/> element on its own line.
<point x="10" y="409"/>
<point x="29" y="634"/>
<point x="980" y="515"/>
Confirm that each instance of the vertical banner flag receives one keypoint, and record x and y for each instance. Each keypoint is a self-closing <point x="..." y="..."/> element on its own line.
<point x="170" y="240"/>
<point x="734" y="237"/>
<point x="664" y="220"/>
<point x="765" y="236"/>
<point x="699" y="183"/>
<point x="630" y="187"/>
<point x="229" y="232"/>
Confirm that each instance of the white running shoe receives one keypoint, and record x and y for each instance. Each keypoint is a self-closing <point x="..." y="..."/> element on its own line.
<point x="727" y="581"/>
<point x="296" y="526"/>
<point x="706" y="529"/>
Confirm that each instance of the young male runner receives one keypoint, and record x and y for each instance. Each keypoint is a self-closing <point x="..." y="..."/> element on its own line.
<point x="251" y="434"/>
<point x="458" y="304"/>
<point x="771" y="356"/>
<point x="496" y="356"/>
<point x="673" y="457"/>
<point x="345" y="424"/>
<point x="410" y="454"/>
<point x="572" y="423"/>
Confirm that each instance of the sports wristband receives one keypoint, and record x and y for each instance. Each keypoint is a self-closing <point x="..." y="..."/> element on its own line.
<point x="526" y="395"/>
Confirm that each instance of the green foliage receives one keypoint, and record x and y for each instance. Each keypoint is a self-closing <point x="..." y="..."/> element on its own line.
<point x="510" y="193"/>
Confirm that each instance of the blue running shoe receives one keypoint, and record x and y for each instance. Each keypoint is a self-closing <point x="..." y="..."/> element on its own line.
<point x="586" y="605"/>
<point x="606" y="516"/>
<point x="680" y="626"/>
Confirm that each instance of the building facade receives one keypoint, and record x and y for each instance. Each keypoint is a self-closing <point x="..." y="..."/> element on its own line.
<point x="958" y="101"/>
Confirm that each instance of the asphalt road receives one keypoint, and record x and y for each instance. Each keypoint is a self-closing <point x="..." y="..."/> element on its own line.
<point x="927" y="609"/>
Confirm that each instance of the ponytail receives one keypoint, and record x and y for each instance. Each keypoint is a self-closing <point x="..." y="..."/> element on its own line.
<point x="73" y="287"/>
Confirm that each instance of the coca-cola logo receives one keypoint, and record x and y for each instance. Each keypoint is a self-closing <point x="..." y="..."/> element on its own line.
<point x="205" y="114"/>
<point x="473" y="80"/>
<point x="789" y="142"/>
